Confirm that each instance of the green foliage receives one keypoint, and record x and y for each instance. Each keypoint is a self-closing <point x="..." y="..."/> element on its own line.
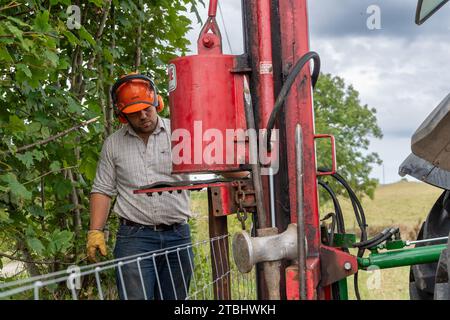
<point x="53" y="78"/>
<point x="338" y="111"/>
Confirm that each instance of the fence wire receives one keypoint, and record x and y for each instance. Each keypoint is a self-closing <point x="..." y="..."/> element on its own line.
<point x="214" y="276"/>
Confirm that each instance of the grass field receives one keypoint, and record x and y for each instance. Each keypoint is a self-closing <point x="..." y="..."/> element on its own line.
<point x="402" y="204"/>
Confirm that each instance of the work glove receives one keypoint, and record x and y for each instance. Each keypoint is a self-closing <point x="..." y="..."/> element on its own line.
<point x="95" y="240"/>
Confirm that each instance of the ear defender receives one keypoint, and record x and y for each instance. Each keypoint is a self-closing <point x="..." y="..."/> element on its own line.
<point x="160" y="106"/>
<point x="117" y="113"/>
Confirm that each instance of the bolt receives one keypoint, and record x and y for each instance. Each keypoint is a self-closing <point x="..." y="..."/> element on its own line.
<point x="208" y="41"/>
<point x="347" y="266"/>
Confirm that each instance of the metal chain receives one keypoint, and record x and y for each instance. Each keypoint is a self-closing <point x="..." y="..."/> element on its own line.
<point x="242" y="213"/>
<point x="242" y="217"/>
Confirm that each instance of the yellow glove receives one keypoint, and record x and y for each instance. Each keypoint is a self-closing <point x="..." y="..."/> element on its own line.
<point x="95" y="240"/>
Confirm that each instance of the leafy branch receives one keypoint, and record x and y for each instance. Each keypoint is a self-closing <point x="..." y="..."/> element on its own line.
<point x="59" y="135"/>
<point x="11" y="5"/>
<point x="48" y="173"/>
<point x="137" y="58"/>
<point x="10" y="257"/>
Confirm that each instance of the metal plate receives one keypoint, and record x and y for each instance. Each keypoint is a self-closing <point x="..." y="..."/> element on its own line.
<point x="431" y="141"/>
<point x="425" y="171"/>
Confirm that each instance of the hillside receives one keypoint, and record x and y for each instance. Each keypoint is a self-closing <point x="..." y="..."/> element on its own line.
<point x="404" y="204"/>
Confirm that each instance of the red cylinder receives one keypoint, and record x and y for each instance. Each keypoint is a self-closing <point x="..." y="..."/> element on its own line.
<point x="207" y="114"/>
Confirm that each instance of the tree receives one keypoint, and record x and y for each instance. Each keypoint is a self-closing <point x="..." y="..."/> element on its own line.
<point x="55" y="76"/>
<point x="338" y="111"/>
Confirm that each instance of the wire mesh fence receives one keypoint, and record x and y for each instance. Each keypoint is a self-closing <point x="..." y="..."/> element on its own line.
<point x="212" y="276"/>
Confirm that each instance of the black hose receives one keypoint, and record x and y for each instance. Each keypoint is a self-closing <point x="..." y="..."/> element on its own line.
<point x="357" y="207"/>
<point x="356" y="204"/>
<point x="331" y="215"/>
<point x="360" y="218"/>
<point x="337" y="207"/>
<point x="369" y="242"/>
<point x="387" y="236"/>
<point x="336" y="294"/>
<point x="290" y="79"/>
<point x="355" y="284"/>
<point x="333" y="226"/>
<point x="379" y="238"/>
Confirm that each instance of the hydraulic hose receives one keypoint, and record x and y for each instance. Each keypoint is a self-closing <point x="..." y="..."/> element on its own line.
<point x="360" y="218"/>
<point x="369" y="243"/>
<point x="279" y="103"/>
<point x="384" y="235"/>
<point x="356" y="204"/>
<point x="379" y="238"/>
<point x="331" y="215"/>
<point x="337" y="207"/>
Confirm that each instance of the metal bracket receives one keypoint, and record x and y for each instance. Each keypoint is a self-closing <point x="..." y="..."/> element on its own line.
<point x="210" y="39"/>
<point x="336" y="265"/>
<point x="224" y="198"/>
<point x="242" y="64"/>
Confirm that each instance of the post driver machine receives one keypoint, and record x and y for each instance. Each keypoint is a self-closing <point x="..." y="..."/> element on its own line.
<point x="268" y="90"/>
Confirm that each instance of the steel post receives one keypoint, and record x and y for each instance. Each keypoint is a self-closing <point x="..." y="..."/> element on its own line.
<point x="218" y="227"/>
<point x="299" y="110"/>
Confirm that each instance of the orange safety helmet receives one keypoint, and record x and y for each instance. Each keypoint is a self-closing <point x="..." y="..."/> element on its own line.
<point x="134" y="92"/>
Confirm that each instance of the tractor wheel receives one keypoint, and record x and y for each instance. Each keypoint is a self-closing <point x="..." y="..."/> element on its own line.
<point x="442" y="285"/>
<point x="422" y="288"/>
<point x="423" y="278"/>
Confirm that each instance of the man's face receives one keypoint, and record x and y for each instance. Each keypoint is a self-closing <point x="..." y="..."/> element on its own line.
<point x="143" y="122"/>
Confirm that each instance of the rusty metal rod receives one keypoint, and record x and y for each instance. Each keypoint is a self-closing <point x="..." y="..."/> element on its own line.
<point x="272" y="199"/>
<point x="300" y="217"/>
<point x="253" y="154"/>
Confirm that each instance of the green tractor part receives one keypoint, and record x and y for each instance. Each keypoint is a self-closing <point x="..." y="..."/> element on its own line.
<point x="400" y="258"/>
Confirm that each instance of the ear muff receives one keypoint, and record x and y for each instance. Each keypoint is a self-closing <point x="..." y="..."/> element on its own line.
<point x="119" y="114"/>
<point x="160" y="106"/>
<point x="158" y="102"/>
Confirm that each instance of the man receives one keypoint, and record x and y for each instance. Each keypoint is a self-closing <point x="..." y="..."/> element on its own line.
<point x="136" y="155"/>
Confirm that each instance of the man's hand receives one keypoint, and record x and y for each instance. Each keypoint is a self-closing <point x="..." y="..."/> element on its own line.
<point x="95" y="240"/>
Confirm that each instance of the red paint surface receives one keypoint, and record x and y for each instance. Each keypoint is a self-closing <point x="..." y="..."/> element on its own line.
<point x="312" y="278"/>
<point x="299" y="109"/>
<point x="266" y="90"/>
<point x="209" y="93"/>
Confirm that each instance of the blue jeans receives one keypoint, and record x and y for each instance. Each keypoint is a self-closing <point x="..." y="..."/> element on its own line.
<point x="164" y="276"/>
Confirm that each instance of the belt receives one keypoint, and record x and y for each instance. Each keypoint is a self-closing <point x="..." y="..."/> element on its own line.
<point x="158" y="227"/>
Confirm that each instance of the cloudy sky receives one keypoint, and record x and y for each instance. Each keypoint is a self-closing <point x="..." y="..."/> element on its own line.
<point x="402" y="69"/>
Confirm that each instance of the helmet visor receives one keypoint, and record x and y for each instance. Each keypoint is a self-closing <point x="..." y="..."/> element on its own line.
<point x="135" y="107"/>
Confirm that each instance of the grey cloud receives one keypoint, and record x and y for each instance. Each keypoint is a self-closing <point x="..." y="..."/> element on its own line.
<point x="403" y="80"/>
<point x="393" y="151"/>
<point x="397" y="134"/>
<point x="346" y="18"/>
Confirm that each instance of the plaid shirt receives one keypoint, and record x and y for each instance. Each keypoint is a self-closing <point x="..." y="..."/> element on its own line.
<point x="126" y="164"/>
